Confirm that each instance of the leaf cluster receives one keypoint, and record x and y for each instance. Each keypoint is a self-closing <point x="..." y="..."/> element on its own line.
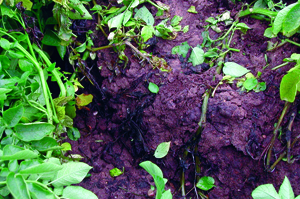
<point x="267" y="191"/>
<point x="31" y="120"/>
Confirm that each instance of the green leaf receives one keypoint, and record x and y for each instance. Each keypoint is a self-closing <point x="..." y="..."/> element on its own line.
<point x="13" y="165"/>
<point x="153" y="88"/>
<point x="116" y="22"/>
<point x="4" y="62"/>
<point x="182" y="49"/>
<point x="127" y="16"/>
<point x="250" y="83"/>
<point x="176" y="20"/>
<point x="66" y="146"/>
<point x="280" y="17"/>
<point x="266" y="191"/>
<point x="291" y="22"/>
<point x="147" y="32"/>
<point x="243" y="27"/>
<point x="298" y="197"/>
<point x="197" y="56"/>
<point x="144" y="14"/>
<point x="5" y="44"/>
<point x="205" y="183"/>
<point x="76" y="192"/>
<point x="73" y="133"/>
<point x="25" y="65"/>
<point x="234" y="70"/>
<point x="39" y="192"/>
<point x="115" y="172"/>
<point x="51" y="39"/>
<point x="81" y="48"/>
<point x="286" y="190"/>
<point x="11" y="152"/>
<point x="12" y="116"/>
<point x="151" y="168"/>
<point x="33" y="131"/>
<point x="17" y="186"/>
<point x="192" y="9"/>
<point x="45" y="144"/>
<point x="162" y="149"/>
<point x="61" y="51"/>
<point x="160" y="186"/>
<point x="167" y="195"/>
<point x="72" y="173"/>
<point x="78" y="11"/>
<point x="185" y="29"/>
<point x="288" y="86"/>
<point x="27" y="4"/>
<point x="7" y="11"/>
<point x="41" y="168"/>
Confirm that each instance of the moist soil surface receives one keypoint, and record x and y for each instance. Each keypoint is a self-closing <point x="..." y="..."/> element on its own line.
<point x="126" y="122"/>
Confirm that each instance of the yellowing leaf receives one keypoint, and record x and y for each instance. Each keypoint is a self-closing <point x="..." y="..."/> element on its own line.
<point x="83" y="100"/>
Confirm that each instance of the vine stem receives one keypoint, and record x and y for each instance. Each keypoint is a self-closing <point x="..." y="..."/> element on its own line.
<point x="275" y="132"/>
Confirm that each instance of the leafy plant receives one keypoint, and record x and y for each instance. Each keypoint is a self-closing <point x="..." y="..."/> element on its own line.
<point x="267" y="191"/>
<point x="31" y="120"/>
<point x="159" y="180"/>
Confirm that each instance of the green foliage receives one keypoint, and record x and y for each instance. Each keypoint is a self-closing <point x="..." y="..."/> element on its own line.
<point x="289" y="86"/>
<point x="182" y="49"/>
<point x="116" y="172"/>
<point x="250" y="82"/>
<point x="159" y="180"/>
<point x="234" y="70"/>
<point x="153" y="88"/>
<point x="162" y="149"/>
<point x="197" y="56"/>
<point x="192" y="9"/>
<point x="31" y="120"/>
<point x="267" y="191"/>
<point x="205" y="183"/>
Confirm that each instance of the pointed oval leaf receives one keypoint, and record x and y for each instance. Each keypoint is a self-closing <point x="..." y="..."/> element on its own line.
<point x="76" y="192"/>
<point x="153" y="88"/>
<point x="162" y="149"/>
<point x="151" y="168"/>
<point x="33" y="131"/>
<point x="291" y="23"/>
<point x="21" y="155"/>
<point x="71" y="173"/>
<point x="286" y="190"/>
<point x="266" y="191"/>
<point x="280" y="17"/>
<point x="39" y="192"/>
<point x="234" y="70"/>
<point x="288" y="86"/>
<point x="12" y="116"/>
<point x="41" y="168"/>
<point x="45" y="144"/>
<point x="17" y="186"/>
<point x="144" y="14"/>
<point x="197" y="56"/>
<point x="206" y="183"/>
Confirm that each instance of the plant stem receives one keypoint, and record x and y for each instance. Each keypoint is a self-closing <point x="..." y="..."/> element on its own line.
<point x="275" y="132"/>
<point x="157" y="6"/>
<point x="63" y="92"/>
<point x="281" y="65"/>
<point x="261" y="11"/>
<point x="41" y="75"/>
<point x="292" y="42"/>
